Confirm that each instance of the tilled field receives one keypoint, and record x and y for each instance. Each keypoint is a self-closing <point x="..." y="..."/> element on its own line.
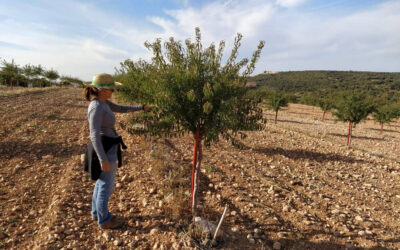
<point x="294" y="186"/>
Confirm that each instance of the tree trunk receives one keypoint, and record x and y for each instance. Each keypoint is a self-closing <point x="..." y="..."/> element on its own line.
<point x="132" y="113"/>
<point x="381" y="128"/>
<point x="323" y="116"/>
<point x="349" y="134"/>
<point x="351" y="131"/>
<point x="276" y="116"/>
<point x="11" y="81"/>
<point x="195" y="170"/>
<point x="197" y="175"/>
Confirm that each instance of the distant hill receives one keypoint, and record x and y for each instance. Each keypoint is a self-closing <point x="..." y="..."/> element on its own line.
<point x="324" y="82"/>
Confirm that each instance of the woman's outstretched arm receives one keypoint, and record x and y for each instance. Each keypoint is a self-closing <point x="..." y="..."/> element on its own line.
<point x="122" y="108"/>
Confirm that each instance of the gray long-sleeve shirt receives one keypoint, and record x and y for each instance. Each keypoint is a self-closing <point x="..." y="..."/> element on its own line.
<point x="102" y="122"/>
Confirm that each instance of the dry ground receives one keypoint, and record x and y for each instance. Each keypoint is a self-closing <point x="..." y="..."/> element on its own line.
<point x="294" y="186"/>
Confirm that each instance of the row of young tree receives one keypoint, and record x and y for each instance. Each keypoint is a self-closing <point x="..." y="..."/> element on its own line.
<point x="11" y="74"/>
<point x="303" y="82"/>
<point x="347" y="106"/>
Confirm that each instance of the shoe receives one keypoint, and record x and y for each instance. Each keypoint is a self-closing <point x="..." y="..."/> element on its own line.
<point x="112" y="224"/>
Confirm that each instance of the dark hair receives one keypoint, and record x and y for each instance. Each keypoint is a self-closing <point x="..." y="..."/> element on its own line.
<point x="90" y="92"/>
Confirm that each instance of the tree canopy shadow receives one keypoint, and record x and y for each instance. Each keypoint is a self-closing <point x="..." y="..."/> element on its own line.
<point x="299" y="113"/>
<point x="393" y="125"/>
<point x="11" y="149"/>
<point x="358" y="137"/>
<point x="296" y="122"/>
<point x="384" y="130"/>
<point x="297" y="154"/>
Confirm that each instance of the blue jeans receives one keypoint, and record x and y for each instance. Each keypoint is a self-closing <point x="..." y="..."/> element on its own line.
<point x="102" y="191"/>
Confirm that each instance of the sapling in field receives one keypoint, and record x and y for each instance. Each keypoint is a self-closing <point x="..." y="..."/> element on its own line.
<point x="385" y="114"/>
<point x="276" y="101"/>
<point x="10" y="71"/>
<point x="52" y="75"/>
<point x="193" y="92"/>
<point x="28" y="71"/>
<point x="352" y="108"/>
<point x="37" y="72"/>
<point x="326" y="104"/>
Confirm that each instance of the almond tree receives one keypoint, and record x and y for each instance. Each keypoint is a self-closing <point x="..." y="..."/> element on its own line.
<point x="326" y="104"/>
<point x="28" y="71"/>
<point x="10" y="71"/>
<point x="276" y="101"/>
<point x="385" y="114"/>
<point x="37" y="72"/>
<point x="353" y="108"/>
<point x="192" y="91"/>
<point x="52" y="75"/>
<point x="71" y="79"/>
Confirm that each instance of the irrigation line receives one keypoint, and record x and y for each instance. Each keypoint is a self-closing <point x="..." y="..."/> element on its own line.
<point x="219" y="225"/>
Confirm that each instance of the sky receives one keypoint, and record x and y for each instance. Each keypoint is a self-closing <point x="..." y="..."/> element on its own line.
<point x="83" y="38"/>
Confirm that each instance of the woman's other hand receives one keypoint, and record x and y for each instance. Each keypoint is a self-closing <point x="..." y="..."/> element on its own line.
<point x="105" y="166"/>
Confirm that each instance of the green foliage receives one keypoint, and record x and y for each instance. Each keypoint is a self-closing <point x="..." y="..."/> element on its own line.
<point x="277" y="100"/>
<point x="70" y="79"/>
<point x="35" y="75"/>
<point x="38" y="70"/>
<point x="260" y="94"/>
<point x="310" y="84"/>
<point x="28" y="71"/>
<point x="12" y="220"/>
<point x="325" y="103"/>
<point x="386" y="113"/>
<point x="309" y="99"/>
<point x="191" y="90"/>
<point x="51" y="74"/>
<point x="9" y="71"/>
<point x="211" y="169"/>
<point x="353" y="107"/>
<point x="291" y="97"/>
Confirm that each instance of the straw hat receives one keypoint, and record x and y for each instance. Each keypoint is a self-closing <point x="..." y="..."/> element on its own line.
<point x="104" y="80"/>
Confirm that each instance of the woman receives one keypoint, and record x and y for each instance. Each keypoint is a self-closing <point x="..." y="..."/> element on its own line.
<point x="102" y="125"/>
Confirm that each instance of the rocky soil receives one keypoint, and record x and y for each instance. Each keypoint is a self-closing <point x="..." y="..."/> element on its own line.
<point x="295" y="185"/>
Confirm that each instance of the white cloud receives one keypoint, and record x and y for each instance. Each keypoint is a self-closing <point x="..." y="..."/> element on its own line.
<point x="290" y="3"/>
<point x="364" y="40"/>
<point x="218" y="20"/>
<point x="103" y="51"/>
